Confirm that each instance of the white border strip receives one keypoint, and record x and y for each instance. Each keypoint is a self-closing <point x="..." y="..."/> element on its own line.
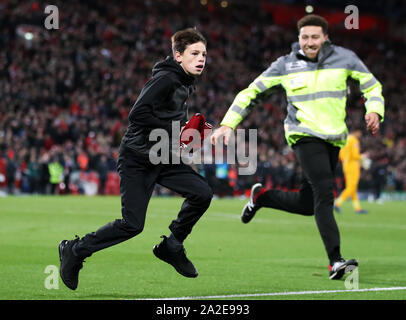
<point x="298" y="293"/>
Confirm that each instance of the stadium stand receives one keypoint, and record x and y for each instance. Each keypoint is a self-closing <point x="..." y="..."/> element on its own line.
<point x="66" y="93"/>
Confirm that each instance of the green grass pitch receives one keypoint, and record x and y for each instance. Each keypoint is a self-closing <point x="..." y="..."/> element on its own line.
<point x="276" y="252"/>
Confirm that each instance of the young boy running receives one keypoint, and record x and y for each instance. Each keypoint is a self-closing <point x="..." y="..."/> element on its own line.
<point x="161" y="101"/>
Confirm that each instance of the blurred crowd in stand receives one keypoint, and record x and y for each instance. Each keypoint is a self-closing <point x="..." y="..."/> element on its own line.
<point x="66" y="93"/>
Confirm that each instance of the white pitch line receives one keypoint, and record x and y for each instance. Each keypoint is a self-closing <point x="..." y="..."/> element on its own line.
<point x="278" y="294"/>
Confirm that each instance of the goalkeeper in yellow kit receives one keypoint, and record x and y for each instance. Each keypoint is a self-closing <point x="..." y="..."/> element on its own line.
<point x="351" y="157"/>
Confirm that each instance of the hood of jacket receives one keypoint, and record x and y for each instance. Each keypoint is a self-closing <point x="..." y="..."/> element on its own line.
<point x="326" y="49"/>
<point x="170" y="65"/>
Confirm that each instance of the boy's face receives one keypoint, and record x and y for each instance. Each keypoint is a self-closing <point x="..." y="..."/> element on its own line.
<point x="193" y="59"/>
<point x="311" y="38"/>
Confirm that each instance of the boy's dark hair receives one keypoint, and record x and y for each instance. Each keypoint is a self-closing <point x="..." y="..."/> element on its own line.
<point x="183" y="38"/>
<point x="313" y="20"/>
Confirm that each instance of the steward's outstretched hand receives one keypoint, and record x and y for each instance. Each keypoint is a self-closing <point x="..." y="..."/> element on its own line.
<point x="220" y="132"/>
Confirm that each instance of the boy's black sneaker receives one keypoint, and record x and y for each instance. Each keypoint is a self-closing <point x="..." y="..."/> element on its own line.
<point x="341" y="267"/>
<point x="176" y="258"/>
<point x="249" y="210"/>
<point x="70" y="264"/>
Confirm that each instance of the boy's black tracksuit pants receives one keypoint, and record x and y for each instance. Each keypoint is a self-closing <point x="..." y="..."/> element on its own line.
<point x="138" y="177"/>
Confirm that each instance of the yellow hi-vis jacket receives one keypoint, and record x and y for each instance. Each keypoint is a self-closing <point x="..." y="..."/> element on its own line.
<point x="316" y="93"/>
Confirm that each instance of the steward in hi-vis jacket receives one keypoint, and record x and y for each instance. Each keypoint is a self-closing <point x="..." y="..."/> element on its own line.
<point x="316" y="92"/>
<point x="314" y="76"/>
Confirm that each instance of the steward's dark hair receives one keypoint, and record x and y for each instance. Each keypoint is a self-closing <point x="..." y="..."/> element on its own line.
<point x="313" y="20"/>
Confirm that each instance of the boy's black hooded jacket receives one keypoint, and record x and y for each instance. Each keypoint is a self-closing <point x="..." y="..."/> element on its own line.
<point x="161" y="101"/>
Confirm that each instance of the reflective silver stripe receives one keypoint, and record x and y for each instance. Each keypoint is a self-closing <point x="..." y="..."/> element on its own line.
<point x="291" y="118"/>
<point x="368" y="84"/>
<point x="242" y="112"/>
<point x="331" y="137"/>
<point x="318" y="95"/>
<point x="379" y="99"/>
<point x="261" y="86"/>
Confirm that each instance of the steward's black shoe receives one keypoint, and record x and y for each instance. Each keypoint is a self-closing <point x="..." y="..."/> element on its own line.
<point x="70" y="264"/>
<point x="341" y="267"/>
<point x="176" y="258"/>
<point x="249" y="210"/>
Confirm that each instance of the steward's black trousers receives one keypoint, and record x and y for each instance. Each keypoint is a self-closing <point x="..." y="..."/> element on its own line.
<point x="137" y="180"/>
<point x="318" y="160"/>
